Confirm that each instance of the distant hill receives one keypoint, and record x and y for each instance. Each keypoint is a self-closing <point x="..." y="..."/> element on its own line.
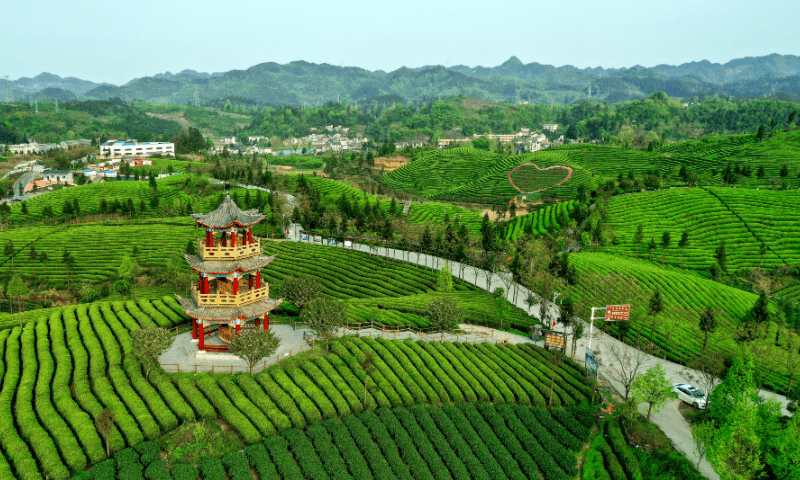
<point x="302" y="83"/>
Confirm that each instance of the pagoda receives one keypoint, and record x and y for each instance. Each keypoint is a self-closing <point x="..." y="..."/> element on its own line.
<point x="221" y="300"/>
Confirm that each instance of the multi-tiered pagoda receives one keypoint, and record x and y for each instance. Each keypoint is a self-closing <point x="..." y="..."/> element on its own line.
<point x="229" y="293"/>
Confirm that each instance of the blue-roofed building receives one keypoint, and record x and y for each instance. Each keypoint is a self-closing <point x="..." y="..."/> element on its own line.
<point x="119" y="148"/>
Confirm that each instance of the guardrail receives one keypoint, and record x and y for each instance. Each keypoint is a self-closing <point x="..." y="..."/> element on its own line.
<point x="227" y="299"/>
<point x="200" y="368"/>
<point x="218" y="252"/>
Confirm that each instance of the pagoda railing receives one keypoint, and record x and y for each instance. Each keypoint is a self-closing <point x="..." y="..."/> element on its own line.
<point x="218" y="252"/>
<point x="228" y="300"/>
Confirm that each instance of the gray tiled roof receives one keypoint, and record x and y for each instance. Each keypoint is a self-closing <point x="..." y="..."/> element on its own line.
<point x="229" y="214"/>
<point x="228" y="266"/>
<point x="220" y="313"/>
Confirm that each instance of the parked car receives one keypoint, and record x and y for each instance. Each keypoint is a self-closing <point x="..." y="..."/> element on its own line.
<point x="691" y="395"/>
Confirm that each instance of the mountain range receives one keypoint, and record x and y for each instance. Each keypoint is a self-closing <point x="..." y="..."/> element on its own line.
<point x="301" y="83"/>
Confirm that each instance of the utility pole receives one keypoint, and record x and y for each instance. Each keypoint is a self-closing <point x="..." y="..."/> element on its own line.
<point x="590" y="91"/>
<point x="56" y="105"/>
<point x="196" y="96"/>
<point x="36" y="105"/>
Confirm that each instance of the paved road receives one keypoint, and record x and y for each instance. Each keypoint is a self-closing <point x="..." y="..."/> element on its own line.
<point x="669" y="420"/>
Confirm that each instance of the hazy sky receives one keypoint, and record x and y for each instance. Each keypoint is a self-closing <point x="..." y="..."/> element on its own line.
<point x="107" y="41"/>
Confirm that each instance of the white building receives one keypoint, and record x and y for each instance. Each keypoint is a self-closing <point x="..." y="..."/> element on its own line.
<point x="60" y="176"/>
<point x="550" y="126"/>
<point x="118" y="148"/>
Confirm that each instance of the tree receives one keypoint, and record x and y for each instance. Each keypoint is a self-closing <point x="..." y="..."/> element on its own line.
<point x="8" y="251"/>
<point x="702" y="435"/>
<point x="650" y="247"/>
<point x="665" y="241"/>
<point x="69" y="261"/>
<point x="122" y="287"/>
<point x="43" y="261"/>
<point x="17" y="288"/>
<point x="444" y="280"/>
<point x="254" y="344"/>
<point x="148" y="344"/>
<point x="623" y="364"/>
<point x="127" y="270"/>
<point x="760" y="133"/>
<point x="683" y="243"/>
<point x="639" y="237"/>
<point x="653" y="388"/>
<point x="735" y="451"/>
<point x="324" y="317"/>
<point x="104" y="422"/>
<point x="654" y="307"/>
<point x="444" y="314"/>
<point x="300" y="290"/>
<point x="760" y="312"/>
<point x="708" y="323"/>
<point x="191" y="247"/>
<point x="784" y="171"/>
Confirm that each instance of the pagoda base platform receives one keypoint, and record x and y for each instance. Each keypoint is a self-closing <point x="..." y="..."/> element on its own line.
<point x="213" y="356"/>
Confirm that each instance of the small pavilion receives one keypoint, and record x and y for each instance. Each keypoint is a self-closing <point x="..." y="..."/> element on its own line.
<point x="222" y="302"/>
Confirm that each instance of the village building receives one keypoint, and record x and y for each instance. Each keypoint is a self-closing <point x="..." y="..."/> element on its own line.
<point x="120" y="148"/>
<point x="221" y="303"/>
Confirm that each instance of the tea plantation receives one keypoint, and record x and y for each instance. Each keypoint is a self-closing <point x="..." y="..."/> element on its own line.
<point x="606" y="279"/>
<point x="759" y="227"/>
<point x="58" y="373"/>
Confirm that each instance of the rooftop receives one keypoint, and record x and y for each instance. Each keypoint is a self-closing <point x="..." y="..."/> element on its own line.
<point x="228" y="214"/>
<point x="218" y="313"/>
<point x="228" y="266"/>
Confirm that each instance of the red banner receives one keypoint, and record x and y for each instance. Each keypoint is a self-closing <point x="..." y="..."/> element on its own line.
<point x="617" y="313"/>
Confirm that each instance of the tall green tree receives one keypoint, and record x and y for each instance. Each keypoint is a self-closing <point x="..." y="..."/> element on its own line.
<point x="653" y="388"/>
<point x="324" y="317"/>
<point x="665" y="241"/>
<point x="148" y="344"/>
<point x="708" y="323"/>
<point x="683" y="243"/>
<point x="17" y="288"/>
<point x="254" y="344"/>
<point x="444" y="314"/>
<point x="654" y="307"/>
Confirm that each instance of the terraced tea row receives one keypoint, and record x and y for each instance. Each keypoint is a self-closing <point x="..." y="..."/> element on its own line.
<point x="171" y="195"/>
<point x="611" y="279"/>
<point x="743" y="219"/>
<point x="539" y="222"/>
<point x="97" y="249"/>
<point x="78" y="362"/>
<point x="465" y="441"/>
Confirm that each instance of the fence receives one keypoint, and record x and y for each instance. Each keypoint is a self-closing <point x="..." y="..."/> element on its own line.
<point x="199" y="368"/>
<point x="468" y="335"/>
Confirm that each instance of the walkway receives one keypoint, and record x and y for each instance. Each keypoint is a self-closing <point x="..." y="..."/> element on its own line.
<point x="669" y="420"/>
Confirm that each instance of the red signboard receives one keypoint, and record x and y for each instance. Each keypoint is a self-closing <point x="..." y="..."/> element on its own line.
<point x="616" y="313"/>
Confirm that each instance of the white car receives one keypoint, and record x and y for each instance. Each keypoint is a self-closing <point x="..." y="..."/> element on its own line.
<point x="691" y="395"/>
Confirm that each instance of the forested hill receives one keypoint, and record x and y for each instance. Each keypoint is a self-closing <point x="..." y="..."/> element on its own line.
<point x="302" y="83"/>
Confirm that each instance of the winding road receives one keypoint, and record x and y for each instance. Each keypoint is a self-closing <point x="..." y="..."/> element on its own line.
<point x="668" y="419"/>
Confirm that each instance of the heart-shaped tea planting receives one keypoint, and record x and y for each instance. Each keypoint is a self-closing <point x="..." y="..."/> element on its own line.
<point x="529" y="178"/>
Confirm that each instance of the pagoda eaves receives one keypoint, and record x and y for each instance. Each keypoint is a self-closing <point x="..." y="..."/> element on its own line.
<point x="228" y="215"/>
<point x="228" y="266"/>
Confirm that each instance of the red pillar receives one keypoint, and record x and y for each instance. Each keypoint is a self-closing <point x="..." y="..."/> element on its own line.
<point x="250" y="281"/>
<point x="258" y="322"/>
<point x="250" y="236"/>
<point x="266" y="321"/>
<point x="233" y="239"/>
<point x="238" y="328"/>
<point x="202" y="345"/>
<point x="258" y="278"/>
<point x="205" y="285"/>
<point x="200" y="283"/>
<point x="236" y="286"/>
<point x="224" y="240"/>
<point x="209" y="238"/>
<point x="194" y="329"/>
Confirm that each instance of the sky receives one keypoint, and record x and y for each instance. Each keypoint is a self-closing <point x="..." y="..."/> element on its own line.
<point x="115" y="42"/>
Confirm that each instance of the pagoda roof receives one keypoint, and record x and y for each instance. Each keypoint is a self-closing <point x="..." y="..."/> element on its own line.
<point x="228" y="266"/>
<point x="228" y="214"/>
<point x="222" y="313"/>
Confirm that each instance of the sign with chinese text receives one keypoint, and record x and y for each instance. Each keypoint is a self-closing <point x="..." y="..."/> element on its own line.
<point x="617" y="313"/>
